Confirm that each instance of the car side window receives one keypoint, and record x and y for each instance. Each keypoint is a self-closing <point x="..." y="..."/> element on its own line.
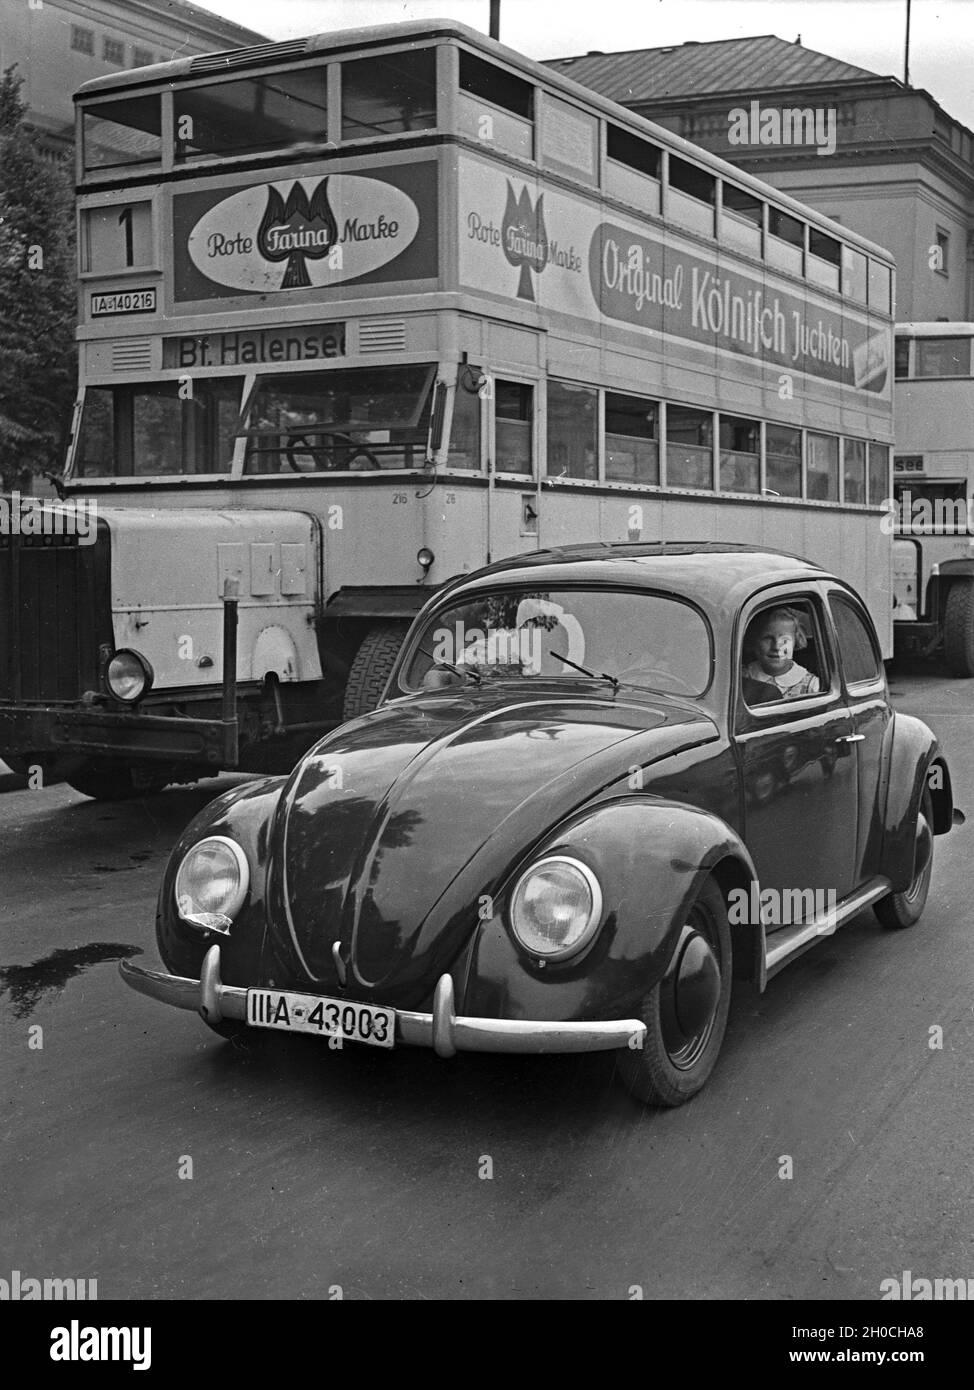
<point x="783" y="655"/>
<point x="860" y="659"/>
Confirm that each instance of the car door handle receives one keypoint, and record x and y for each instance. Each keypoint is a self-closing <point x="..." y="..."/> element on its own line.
<point x="851" y="738"/>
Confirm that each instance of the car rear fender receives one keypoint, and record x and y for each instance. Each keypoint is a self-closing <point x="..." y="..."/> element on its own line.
<point x="914" y="761"/>
<point x="651" y="857"/>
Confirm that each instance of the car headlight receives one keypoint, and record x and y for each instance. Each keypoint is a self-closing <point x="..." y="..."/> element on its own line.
<point x="556" y="907"/>
<point x="129" y="676"/>
<point x="212" y="883"/>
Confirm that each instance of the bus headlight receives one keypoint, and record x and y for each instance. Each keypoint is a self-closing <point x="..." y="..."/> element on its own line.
<point x="556" y="907"/>
<point x="212" y="883"/>
<point x="129" y="676"/>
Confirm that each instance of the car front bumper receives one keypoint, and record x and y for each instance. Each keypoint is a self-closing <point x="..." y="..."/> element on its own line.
<point x="442" y="1030"/>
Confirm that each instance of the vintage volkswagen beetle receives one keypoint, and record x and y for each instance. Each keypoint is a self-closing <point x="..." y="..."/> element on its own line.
<point x="570" y="824"/>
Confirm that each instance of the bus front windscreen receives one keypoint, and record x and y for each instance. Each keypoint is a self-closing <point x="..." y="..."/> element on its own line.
<point x="358" y="419"/>
<point x="154" y="429"/>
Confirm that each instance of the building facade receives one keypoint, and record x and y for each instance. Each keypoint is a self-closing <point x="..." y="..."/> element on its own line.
<point x="59" y="44"/>
<point x="882" y="158"/>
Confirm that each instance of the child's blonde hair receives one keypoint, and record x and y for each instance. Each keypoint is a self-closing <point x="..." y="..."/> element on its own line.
<point x="791" y="615"/>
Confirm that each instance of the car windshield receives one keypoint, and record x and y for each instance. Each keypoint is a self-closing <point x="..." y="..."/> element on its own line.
<point x="637" y="638"/>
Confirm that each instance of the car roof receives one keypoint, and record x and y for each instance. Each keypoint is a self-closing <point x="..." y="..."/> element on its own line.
<point x="716" y="574"/>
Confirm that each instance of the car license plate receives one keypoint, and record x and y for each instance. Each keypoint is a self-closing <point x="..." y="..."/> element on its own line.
<point x="329" y="1018"/>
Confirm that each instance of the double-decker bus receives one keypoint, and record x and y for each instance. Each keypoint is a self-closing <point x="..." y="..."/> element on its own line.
<point x="933" y="486"/>
<point x="363" y="311"/>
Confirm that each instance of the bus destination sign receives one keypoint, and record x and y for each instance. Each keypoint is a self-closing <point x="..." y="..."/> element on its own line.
<point x="301" y="343"/>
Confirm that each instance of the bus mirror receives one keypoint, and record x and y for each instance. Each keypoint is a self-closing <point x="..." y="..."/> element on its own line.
<point x="437" y="420"/>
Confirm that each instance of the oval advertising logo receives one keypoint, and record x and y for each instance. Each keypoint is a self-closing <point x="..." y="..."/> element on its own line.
<point x="303" y="233"/>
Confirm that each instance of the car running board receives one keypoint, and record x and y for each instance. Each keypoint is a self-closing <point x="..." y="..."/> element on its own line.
<point x="790" y="942"/>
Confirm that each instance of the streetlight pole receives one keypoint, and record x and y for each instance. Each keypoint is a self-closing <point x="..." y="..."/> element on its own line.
<point x="495" y="19"/>
<point x="906" y="58"/>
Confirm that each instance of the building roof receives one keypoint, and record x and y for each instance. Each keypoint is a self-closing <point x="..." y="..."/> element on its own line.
<point x="182" y="12"/>
<point x="693" y="68"/>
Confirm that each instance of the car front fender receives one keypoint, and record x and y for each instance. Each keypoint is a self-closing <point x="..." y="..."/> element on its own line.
<point x="651" y="856"/>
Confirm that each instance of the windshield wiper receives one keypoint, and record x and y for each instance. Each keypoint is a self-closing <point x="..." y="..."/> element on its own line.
<point x="602" y="675"/>
<point x="462" y="672"/>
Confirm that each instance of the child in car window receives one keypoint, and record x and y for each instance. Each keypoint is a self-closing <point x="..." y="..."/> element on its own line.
<point x="771" y="643"/>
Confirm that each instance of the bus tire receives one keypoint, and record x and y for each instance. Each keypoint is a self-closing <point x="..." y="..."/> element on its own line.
<point x="371" y="667"/>
<point x="113" y="782"/>
<point x="959" y="629"/>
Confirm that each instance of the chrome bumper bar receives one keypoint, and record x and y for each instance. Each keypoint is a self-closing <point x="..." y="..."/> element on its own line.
<point x="441" y="1030"/>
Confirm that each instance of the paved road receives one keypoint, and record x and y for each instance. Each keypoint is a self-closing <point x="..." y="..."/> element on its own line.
<point x="312" y="1169"/>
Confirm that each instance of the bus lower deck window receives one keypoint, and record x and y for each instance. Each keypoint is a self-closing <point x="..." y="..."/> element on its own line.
<point x="631" y="439"/>
<point x="573" y="423"/>
<point x="823" y="467"/>
<point x="854" y="470"/>
<point x="783" y="460"/>
<point x="464" y="449"/>
<point x="740" y="455"/>
<point x="514" y="427"/>
<point x="149" y="430"/>
<point x="689" y="447"/>
<point x="879" y="487"/>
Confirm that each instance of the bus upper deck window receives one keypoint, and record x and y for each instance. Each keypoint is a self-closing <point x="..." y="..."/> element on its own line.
<point x="854" y="274"/>
<point x="496" y="107"/>
<point x="742" y="216"/>
<point x="693" y="195"/>
<point x="689" y="447"/>
<point x="270" y="112"/>
<point x="786" y="237"/>
<point x="824" y="259"/>
<point x="117" y="133"/>
<point x="943" y="357"/>
<point x="880" y="287"/>
<point x="389" y="95"/>
<point x="514" y="427"/>
<point x="783" y="460"/>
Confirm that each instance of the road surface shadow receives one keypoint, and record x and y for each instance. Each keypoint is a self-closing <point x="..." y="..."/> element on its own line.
<point x="26" y="984"/>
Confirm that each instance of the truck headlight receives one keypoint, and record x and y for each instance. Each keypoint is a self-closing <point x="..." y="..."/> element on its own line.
<point x="128" y="676"/>
<point x="556" y="907"/>
<point x="212" y="883"/>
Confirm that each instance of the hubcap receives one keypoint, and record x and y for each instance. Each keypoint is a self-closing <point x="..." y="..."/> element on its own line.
<point x="689" y="997"/>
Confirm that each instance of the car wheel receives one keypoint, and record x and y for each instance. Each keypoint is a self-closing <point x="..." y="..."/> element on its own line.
<point x="686" y="1012"/>
<point x="959" y="629"/>
<point x="113" y="783"/>
<point x="898" y="910"/>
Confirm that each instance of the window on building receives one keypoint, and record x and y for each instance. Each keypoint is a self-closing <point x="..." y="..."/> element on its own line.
<point x="83" y="40"/>
<point x="113" y="51"/>
<point x="514" y="427"/>
<point x="879" y="483"/>
<point x="902" y="358"/>
<point x="783" y="460"/>
<point x="689" y="447"/>
<point x="943" y="357"/>
<point x="740" y="454"/>
<point x="255" y="113"/>
<point x="854" y="470"/>
<point x="573" y="426"/>
<point x="943" y="252"/>
<point x="822" y="467"/>
<point x="141" y="58"/>
<point x="631" y="439"/>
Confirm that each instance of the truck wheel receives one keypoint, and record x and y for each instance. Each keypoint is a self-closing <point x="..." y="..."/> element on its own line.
<point x="371" y="667"/>
<point x="113" y="783"/>
<point x="959" y="630"/>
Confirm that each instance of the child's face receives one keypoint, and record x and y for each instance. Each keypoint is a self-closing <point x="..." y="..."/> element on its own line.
<point x="775" y="644"/>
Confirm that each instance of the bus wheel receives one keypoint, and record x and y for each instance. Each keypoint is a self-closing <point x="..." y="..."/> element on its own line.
<point x="371" y="667"/>
<point x="113" y="782"/>
<point x="959" y="629"/>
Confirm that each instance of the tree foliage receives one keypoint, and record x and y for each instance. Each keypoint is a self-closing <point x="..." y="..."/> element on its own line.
<point x="38" y="299"/>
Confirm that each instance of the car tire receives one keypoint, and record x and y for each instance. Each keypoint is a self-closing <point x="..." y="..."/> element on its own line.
<point x="113" y="783"/>
<point x="959" y="629"/>
<point x="371" y="668"/>
<point x="898" y="910"/>
<point x="679" y="1054"/>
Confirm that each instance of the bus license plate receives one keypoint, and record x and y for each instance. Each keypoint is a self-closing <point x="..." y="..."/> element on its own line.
<point x="311" y="1013"/>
